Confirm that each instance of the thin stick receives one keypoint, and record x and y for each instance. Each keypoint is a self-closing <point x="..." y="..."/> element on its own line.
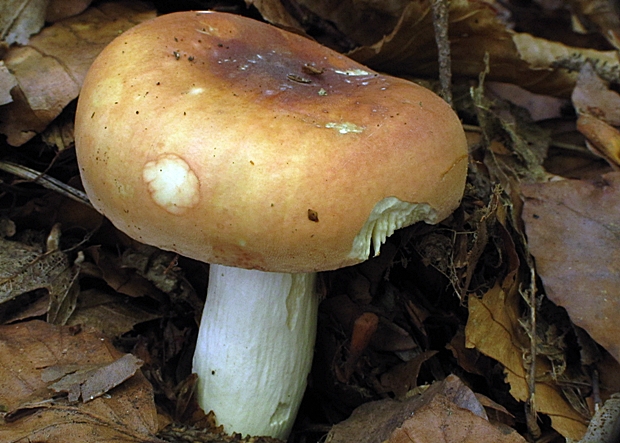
<point x="440" y="22"/>
<point x="46" y="181"/>
<point x="531" y="417"/>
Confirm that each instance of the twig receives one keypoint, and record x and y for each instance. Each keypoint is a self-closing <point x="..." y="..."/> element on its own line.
<point x="440" y="22"/>
<point x="530" y="405"/>
<point x="46" y="181"/>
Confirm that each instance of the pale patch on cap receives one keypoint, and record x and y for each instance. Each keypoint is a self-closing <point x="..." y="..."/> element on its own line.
<point x="172" y="183"/>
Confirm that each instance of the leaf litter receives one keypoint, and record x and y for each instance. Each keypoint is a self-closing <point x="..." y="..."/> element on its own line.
<point x="514" y="292"/>
<point x="33" y="351"/>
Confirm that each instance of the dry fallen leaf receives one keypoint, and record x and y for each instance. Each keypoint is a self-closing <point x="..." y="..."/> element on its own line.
<point x="441" y="421"/>
<point x="358" y="22"/>
<point x="539" y="106"/>
<point x="599" y="14"/>
<point x="90" y="381"/>
<point x="61" y="9"/>
<point x="25" y="267"/>
<point x="126" y="415"/>
<point x="598" y="109"/>
<point x="111" y="314"/>
<point x="19" y="19"/>
<point x="119" y="277"/>
<point x="7" y="82"/>
<point x="50" y="69"/>
<point x="602" y="138"/>
<point x="275" y="13"/>
<point x="404" y="376"/>
<point x="573" y="232"/>
<point x="447" y="412"/>
<point x="593" y="96"/>
<point x="493" y="328"/>
<point x="475" y="30"/>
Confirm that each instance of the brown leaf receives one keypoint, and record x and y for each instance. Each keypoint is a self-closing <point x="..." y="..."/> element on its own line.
<point x="7" y="82"/>
<point x="24" y="268"/>
<point x="598" y="108"/>
<point x="90" y="381"/>
<point x="593" y="96"/>
<point x="441" y="421"/>
<point x="19" y="19"/>
<point x="274" y="12"/>
<point x="493" y="328"/>
<point x="601" y="15"/>
<point x="109" y="313"/>
<point x="60" y="9"/>
<point x="127" y="414"/>
<point x="468" y="359"/>
<point x="448" y="411"/>
<point x="120" y="278"/>
<point x="475" y="29"/>
<point x="16" y="259"/>
<point x="403" y="377"/>
<point x="603" y="139"/>
<point x="50" y="70"/>
<point x="573" y="232"/>
<point x="361" y="22"/>
<point x="539" y="106"/>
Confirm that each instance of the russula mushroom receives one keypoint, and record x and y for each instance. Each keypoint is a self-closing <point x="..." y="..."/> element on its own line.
<point x="270" y="157"/>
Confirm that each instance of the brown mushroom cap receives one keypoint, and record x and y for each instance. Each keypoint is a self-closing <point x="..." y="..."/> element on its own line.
<point x="233" y="142"/>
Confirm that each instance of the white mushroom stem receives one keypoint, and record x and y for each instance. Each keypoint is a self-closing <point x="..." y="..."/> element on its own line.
<point x="254" y="348"/>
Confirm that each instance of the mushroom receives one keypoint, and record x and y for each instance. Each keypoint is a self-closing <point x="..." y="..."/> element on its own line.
<point x="270" y="157"/>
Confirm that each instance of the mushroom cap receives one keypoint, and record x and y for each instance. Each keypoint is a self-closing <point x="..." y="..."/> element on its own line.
<point x="234" y="142"/>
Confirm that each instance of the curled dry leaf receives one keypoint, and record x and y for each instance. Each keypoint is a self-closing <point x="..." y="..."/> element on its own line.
<point x="111" y="314"/>
<point x="404" y="376"/>
<point x="364" y="327"/>
<point x="539" y="106"/>
<point x="542" y="54"/>
<point x="359" y="21"/>
<point x="90" y="381"/>
<point x="593" y="96"/>
<point x="24" y="268"/>
<point x="60" y="9"/>
<point x="572" y="227"/>
<point x="50" y="69"/>
<point x="517" y="146"/>
<point x="275" y="13"/>
<point x="441" y="421"/>
<point x="598" y="109"/>
<point x="602" y="138"/>
<point x="494" y="329"/>
<point x="398" y="37"/>
<point x="19" y="19"/>
<point x="601" y="15"/>
<point x="448" y="411"/>
<point x="119" y="277"/>
<point x="126" y="415"/>
<point x="7" y="82"/>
